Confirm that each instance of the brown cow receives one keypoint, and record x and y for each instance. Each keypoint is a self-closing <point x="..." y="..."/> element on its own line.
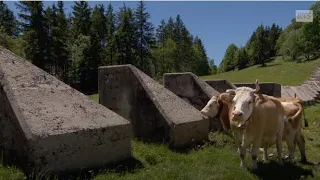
<point x="258" y="120"/>
<point x="218" y="107"/>
<point x="297" y="100"/>
<point x="292" y="129"/>
<point x="254" y="119"/>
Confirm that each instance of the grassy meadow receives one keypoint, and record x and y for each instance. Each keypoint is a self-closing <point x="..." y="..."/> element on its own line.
<point x="278" y="71"/>
<point x="217" y="159"/>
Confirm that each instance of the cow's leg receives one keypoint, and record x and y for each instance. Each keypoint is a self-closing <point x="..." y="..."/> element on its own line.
<point x="255" y="152"/>
<point x="265" y="152"/>
<point x="238" y="136"/>
<point x="301" y="144"/>
<point x="279" y="148"/>
<point x="291" y="145"/>
<point x="279" y="140"/>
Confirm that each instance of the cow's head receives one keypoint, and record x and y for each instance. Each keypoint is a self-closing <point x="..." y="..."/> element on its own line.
<point x="215" y="104"/>
<point x="212" y="107"/>
<point x="243" y="103"/>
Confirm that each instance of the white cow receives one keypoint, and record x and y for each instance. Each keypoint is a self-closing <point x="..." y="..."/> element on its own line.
<point x="256" y="120"/>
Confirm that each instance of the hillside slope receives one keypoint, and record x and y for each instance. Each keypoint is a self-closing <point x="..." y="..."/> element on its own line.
<point x="279" y="71"/>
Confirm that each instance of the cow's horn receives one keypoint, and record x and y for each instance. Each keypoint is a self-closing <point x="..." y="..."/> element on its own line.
<point x="257" y="87"/>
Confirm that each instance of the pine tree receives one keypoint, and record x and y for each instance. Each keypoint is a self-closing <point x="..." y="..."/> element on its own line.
<point x="126" y="42"/>
<point x="242" y="58"/>
<point x="81" y="53"/>
<point x="50" y="27"/>
<point x="228" y="62"/>
<point x="187" y="52"/>
<point x="177" y="37"/>
<point x="145" y="37"/>
<point x="161" y="41"/>
<point x="201" y="66"/>
<point x="61" y="38"/>
<point x="34" y="31"/>
<point x="98" y="26"/>
<point x="267" y="43"/>
<point x="169" y="28"/>
<point x="97" y="39"/>
<point x="8" y="20"/>
<point x="260" y="47"/>
<point x="273" y="36"/>
<point x="110" y="35"/>
<point x="81" y="18"/>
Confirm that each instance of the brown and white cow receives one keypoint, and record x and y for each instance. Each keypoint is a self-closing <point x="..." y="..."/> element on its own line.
<point x="258" y="120"/>
<point x="218" y="106"/>
<point x="254" y="119"/>
<point x="292" y="129"/>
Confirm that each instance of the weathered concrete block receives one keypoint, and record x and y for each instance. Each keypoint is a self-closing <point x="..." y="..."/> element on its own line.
<point x="268" y="88"/>
<point x="300" y="94"/>
<point x="284" y="93"/>
<point x="288" y="90"/>
<point x="305" y="93"/>
<point x="220" y="85"/>
<point x="312" y="90"/>
<point x="313" y="84"/>
<point x="189" y="86"/>
<point x="48" y="127"/>
<point x="155" y="112"/>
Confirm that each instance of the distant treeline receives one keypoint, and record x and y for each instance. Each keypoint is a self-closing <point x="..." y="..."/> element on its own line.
<point x="73" y="47"/>
<point x="296" y="40"/>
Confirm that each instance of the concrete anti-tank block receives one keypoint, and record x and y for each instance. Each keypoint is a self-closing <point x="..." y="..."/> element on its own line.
<point x="187" y="85"/>
<point x="220" y="85"/>
<point x="48" y="127"/>
<point x="155" y="113"/>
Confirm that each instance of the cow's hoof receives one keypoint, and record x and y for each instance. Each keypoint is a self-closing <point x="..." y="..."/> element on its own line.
<point x="289" y="159"/>
<point x="304" y="160"/>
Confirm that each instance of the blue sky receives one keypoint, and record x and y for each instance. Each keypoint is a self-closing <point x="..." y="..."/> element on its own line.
<point x="218" y="24"/>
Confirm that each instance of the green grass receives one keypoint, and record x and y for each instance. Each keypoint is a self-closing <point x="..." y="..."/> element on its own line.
<point x="279" y="71"/>
<point x="94" y="97"/>
<point x="218" y="159"/>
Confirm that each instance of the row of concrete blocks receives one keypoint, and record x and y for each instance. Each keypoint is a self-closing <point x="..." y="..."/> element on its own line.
<point x="48" y="127"/>
<point x="308" y="91"/>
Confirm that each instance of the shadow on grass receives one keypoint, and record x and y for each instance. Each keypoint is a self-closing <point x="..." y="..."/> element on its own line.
<point x="311" y="59"/>
<point x="273" y="170"/>
<point x="130" y="165"/>
<point x="217" y="141"/>
<point x="269" y="65"/>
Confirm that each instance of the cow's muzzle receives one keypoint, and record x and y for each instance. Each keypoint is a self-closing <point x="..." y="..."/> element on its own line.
<point x="236" y="115"/>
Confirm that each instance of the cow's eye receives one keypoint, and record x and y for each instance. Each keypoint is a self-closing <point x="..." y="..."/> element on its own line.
<point x="249" y="102"/>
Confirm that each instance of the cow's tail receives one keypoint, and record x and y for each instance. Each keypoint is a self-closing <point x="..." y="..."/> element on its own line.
<point x="306" y="123"/>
